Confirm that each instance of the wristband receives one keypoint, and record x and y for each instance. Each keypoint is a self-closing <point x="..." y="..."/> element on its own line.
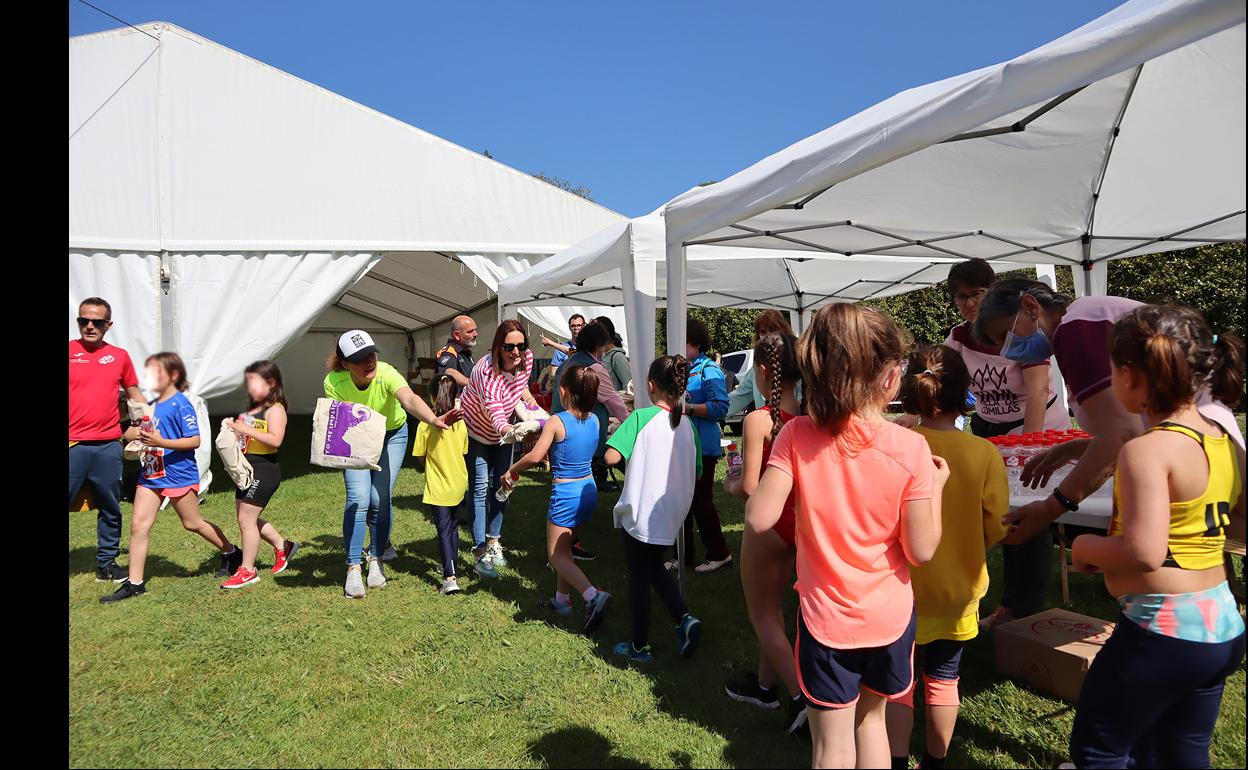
<point x="1065" y="501"/>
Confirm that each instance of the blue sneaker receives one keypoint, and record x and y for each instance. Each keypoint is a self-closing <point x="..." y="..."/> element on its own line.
<point x="595" y="611"/>
<point x="562" y="610"/>
<point x="637" y="656"/>
<point x="690" y="634"/>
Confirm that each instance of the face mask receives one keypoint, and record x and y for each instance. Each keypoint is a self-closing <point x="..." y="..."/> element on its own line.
<point x="1032" y="349"/>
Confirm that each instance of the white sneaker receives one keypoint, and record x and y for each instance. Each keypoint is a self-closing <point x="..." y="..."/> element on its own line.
<point x="449" y="586"/>
<point x="354" y="588"/>
<point x="670" y="565"/>
<point x="494" y="552"/>
<point x="376" y="575"/>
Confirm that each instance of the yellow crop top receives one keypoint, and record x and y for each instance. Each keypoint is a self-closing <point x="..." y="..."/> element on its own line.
<point x="1198" y="526"/>
<point x="261" y="424"/>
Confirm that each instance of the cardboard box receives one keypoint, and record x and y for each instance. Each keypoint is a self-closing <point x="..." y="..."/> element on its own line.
<point x="1051" y="650"/>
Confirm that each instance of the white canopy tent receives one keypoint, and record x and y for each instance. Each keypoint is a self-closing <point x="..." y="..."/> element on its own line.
<point x="230" y="211"/>
<point x="1123" y="137"/>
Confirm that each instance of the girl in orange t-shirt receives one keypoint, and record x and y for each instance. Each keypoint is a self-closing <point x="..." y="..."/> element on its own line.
<point x="868" y="506"/>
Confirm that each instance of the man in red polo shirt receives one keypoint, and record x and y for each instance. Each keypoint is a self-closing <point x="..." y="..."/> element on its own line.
<point x="97" y="374"/>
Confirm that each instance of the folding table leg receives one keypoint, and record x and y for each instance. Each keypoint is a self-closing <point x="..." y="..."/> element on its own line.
<point x="1064" y="555"/>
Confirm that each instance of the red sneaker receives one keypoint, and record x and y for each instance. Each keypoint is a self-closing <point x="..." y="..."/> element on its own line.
<point x="243" y="577"/>
<point x="281" y="559"/>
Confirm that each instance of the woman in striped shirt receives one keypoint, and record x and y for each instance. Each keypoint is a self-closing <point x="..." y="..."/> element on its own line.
<point x="497" y="385"/>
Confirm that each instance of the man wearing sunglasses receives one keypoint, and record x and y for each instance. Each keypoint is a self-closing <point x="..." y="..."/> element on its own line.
<point x="98" y="371"/>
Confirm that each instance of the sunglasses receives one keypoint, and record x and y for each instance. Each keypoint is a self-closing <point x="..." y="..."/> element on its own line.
<point x="510" y="346"/>
<point x="98" y="323"/>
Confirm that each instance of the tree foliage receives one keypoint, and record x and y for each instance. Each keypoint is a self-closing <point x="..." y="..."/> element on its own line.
<point x="563" y="184"/>
<point x="1210" y="279"/>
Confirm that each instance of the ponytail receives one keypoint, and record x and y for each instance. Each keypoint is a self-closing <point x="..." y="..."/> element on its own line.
<point x="936" y="382"/>
<point x="778" y="352"/>
<point x="680" y="372"/>
<point x="1226" y="376"/>
<point x="1176" y="354"/>
<point x="670" y="375"/>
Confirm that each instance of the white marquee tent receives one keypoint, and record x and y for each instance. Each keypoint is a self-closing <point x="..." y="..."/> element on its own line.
<point x="1123" y="137"/>
<point x="230" y="211"/>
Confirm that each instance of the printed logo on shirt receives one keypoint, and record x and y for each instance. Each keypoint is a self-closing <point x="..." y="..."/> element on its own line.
<point x="988" y="375"/>
<point x="190" y="421"/>
<point x="107" y="360"/>
<point x="79" y="358"/>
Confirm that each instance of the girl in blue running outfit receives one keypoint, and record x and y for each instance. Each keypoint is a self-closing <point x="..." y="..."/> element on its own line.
<point x="571" y="436"/>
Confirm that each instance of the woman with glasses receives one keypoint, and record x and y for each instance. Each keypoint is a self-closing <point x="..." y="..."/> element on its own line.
<point x="499" y="382"/>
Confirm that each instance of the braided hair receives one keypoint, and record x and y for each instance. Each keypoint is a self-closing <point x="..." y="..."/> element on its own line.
<point x="670" y="375"/>
<point x="777" y="352"/>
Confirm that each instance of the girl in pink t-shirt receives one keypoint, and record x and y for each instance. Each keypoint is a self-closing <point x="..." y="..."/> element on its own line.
<point x="868" y="506"/>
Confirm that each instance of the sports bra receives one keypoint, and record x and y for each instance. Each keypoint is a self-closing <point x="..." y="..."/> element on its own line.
<point x="1198" y="526"/>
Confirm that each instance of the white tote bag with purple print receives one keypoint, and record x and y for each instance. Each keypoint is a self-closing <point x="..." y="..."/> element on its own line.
<point x="347" y="435"/>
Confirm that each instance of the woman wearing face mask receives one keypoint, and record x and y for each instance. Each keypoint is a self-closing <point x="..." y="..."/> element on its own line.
<point x="356" y="376"/>
<point x="1031" y="322"/>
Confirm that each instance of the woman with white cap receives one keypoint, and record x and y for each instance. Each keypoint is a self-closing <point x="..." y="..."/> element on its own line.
<point x="356" y="376"/>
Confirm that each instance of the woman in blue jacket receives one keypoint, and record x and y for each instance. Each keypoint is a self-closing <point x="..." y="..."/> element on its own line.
<point x="706" y="403"/>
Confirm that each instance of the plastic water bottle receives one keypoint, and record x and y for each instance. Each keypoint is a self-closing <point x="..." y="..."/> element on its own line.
<point x="1011" y="453"/>
<point x="504" y="492"/>
<point x="734" y="461"/>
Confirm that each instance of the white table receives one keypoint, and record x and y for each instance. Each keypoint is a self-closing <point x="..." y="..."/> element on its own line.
<point x="1094" y="512"/>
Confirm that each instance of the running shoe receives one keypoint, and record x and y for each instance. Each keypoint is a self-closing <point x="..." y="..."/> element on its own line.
<point x="637" y="656"/>
<point x="998" y="616"/>
<point x="124" y="591"/>
<point x="281" y="559"/>
<point x="595" y="611"/>
<point x="484" y="567"/>
<point x="796" y="720"/>
<point x="449" y="586"/>
<point x="376" y="574"/>
<point x="670" y="565"/>
<point x="689" y="631"/>
<point x="243" y="577"/>
<point x="494" y="551"/>
<point x="580" y="553"/>
<point x="230" y="562"/>
<point x="562" y="610"/>
<point x="354" y="588"/>
<point x="749" y="691"/>
<point x="711" y="566"/>
<point x="111" y="573"/>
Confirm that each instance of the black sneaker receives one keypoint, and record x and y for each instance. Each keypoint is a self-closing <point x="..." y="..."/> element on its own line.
<point x="125" y="591"/>
<point x="110" y="573"/>
<point x="581" y="553"/>
<point x="748" y="691"/>
<point x="796" y="721"/>
<point x="230" y="562"/>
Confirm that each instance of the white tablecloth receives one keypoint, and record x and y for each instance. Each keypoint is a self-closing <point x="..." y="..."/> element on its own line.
<point x="1093" y="512"/>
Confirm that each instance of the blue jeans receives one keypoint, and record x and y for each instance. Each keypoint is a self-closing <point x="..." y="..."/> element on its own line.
<point x="368" y="499"/>
<point x="488" y="463"/>
<point x="100" y="463"/>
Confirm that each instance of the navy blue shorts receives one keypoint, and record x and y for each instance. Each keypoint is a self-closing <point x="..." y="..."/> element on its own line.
<point x="572" y="502"/>
<point x="831" y="678"/>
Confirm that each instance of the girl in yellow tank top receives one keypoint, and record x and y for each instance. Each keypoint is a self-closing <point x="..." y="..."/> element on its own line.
<point x="1154" y="692"/>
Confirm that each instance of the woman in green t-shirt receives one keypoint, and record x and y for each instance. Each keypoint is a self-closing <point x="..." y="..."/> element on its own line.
<point x="356" y="376"/>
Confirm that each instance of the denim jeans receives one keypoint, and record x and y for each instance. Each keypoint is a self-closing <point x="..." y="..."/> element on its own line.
<point x="488" y="463"/>
<point x="100" y="463"/>
<point x="368" y="499"/>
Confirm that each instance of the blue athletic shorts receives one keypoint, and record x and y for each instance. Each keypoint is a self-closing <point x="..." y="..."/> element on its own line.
<point x="830" y="678"/>
<point x="572" y="502"/>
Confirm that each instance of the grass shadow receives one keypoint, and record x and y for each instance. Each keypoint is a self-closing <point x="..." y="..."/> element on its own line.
<point x="575" y="747"/>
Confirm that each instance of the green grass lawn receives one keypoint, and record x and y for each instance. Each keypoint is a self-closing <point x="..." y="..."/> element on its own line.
<point x="289" y="673"/>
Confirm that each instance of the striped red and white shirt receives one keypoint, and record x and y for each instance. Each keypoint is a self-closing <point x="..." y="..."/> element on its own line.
<point x="491" y="396"/>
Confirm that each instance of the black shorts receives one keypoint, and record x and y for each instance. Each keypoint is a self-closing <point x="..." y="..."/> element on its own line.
<point x="268" y="477"/>
<point x="830" y="678"/>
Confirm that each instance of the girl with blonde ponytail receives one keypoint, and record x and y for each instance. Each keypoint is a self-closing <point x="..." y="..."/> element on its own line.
<point x="767" y="556"/>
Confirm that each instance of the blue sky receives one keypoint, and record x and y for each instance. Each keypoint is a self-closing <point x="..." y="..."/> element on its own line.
<point x="637" y="101"/>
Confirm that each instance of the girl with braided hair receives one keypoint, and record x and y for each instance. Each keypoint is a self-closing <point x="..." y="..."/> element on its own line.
<point x="767" y="556"/>
<point x="664" y="462"/>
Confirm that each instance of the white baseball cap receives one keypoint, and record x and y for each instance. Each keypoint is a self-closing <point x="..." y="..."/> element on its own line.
<point x="355" y="345"/>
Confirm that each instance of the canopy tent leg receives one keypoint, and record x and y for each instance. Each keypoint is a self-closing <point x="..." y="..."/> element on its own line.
<point x="168" y="339"/>
<point x="639" y="284"/>
<point x="677" y="303"/>
<point x="1047" y="274"/>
